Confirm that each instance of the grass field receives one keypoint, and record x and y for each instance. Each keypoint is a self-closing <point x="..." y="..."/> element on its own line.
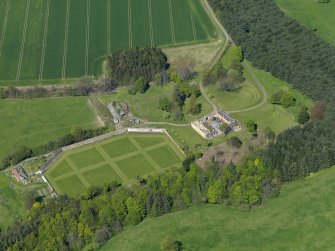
<point x="36" y="121"/>
<point x="313" y="15"/>
<point x="45" y="40"/>
<point x="11" y="204"/>
<point x="301" y="218"/>
<point x="120" y="158"/>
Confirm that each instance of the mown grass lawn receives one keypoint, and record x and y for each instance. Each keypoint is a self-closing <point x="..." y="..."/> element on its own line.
<point x="121" y="158"/>
<point x="301" y="218"/>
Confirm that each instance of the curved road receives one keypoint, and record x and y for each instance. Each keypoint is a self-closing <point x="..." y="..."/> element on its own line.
<point x="245" y="65"/>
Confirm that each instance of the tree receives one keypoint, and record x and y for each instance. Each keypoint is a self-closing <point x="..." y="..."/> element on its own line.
<point x="102" y="235"/>
<point x="252" y="127"/>
<point x="141" y="85"/>
<point x="318" y="111"/>
<point x="303" y="116"/>
<point x="170" y="244"/>
<point x="269" y="134"/>
<point x="191" y="105"/>
<point x="135" y="212"/>
<point x="235" y="142"/>
<point x="165" y="104"/>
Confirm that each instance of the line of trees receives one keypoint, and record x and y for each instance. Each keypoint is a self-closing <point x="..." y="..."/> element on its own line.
<point x="23" y="152"/>
<point x="102" y="212"/>
<point x="83" y="87"/>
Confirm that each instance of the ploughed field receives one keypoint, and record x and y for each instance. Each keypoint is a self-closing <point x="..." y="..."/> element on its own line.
<point x="120" y="158"/>
<point x="49" y="40"/>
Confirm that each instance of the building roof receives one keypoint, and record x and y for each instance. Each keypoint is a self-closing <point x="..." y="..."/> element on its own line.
<point x="226" y="116"/>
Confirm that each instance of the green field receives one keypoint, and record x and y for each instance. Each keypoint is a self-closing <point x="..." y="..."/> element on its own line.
<point x="11" y="200"/>
<point x="120" y="158"/>
<point x="36" y="121"/>
<point x="45" y="40"/>
<point x="313" y="15"/>
<point x="301" y="218"/>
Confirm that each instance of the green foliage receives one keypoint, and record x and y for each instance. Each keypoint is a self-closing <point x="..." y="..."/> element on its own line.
<point x="170" y="244"/>
<point x="303" y="116"/>
<point x="141" y="85"/>
<point x="252" y="127"/>
<point x="235" y="142"/>
<point x="283" y="98"/>
<point x="127" y="64"/>
<point x="191" y="105"/>
<point x="165" y="104"/>
<point x="283" y="51"/>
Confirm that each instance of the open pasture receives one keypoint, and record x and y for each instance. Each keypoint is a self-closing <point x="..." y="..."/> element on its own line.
<point x="45" y="40"/>
<point x="120" y="158"/>
<point x="33" y="122"/>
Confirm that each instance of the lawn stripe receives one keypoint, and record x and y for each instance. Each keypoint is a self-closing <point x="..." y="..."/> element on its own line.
<point x="23" y="40"/>
<point x="68" y="6"/>
<point x="64" y="176"/>
<point x="112" y="163"/>
<point x="193" y="26"/>
<point x="130" y="32"/>
<point x="150" y="23"/>
<point x="145" y="154"/>
<point x="175" y="148"/>
<point x="4" y="26"/>
<point x="77" y="172"/>
<point x="88" y="13"/>
<point x="46" y="22"/>
<point x="108" y="26"/>
<point x="172" y="23"/>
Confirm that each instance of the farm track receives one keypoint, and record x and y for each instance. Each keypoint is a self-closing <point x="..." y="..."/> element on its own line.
<point x="173" y="36"/>
<point x="108" y="26"/>
<point x="150" y="23"/>
<point x="4" y="26"/>
<point x="68" y="6"/>
<point x="47" y="12"/>
<point x="130" y="29"/>
<point x="88" y="13"/>
<point x="194" y="31"/>
<point x="23" y="40"/>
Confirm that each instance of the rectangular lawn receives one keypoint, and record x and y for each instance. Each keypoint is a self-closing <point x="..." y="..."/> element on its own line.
<point x="135" y="166"/>
<point x="165" y="156"/>
<point x="72" y="185"/>
<point x="95" y="177"/>
<point x="121" y="158"/>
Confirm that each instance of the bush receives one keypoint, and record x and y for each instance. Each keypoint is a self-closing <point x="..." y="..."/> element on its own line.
<point x="235" y="142"/>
